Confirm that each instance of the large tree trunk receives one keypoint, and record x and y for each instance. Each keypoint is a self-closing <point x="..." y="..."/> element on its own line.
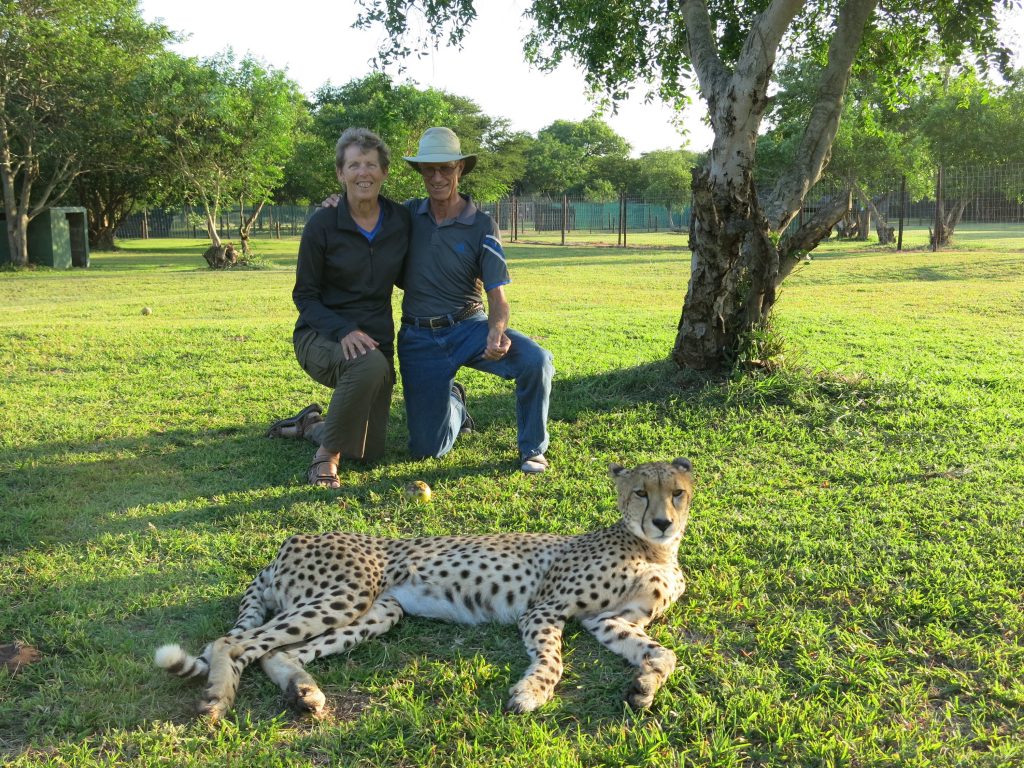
<point x="884" y="230"/>
<point x="102" y="238"/>
<point x="736" y="268"/>
<point x="221" y="256"/>
<point x="17" y="239"/>
<point x="869" y="211"/>
<point x="107" y="205"/>
<point x="863" y="224"/>
<point x="18" y="177"/>
<point x="734" y="265"/>
<point x="16" y="215"/>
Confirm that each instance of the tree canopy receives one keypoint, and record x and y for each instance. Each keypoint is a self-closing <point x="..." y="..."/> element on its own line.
<point x="128" y="159"/>
<point x="231" y="127"/>
<point x="399" y="113"/>
<point x="573" y="157"/>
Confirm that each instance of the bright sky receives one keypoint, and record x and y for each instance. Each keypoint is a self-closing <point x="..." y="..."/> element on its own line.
<point x="314" y="41"/>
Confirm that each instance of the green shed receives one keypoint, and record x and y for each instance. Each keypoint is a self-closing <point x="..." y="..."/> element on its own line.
<point x="57" y="237"/>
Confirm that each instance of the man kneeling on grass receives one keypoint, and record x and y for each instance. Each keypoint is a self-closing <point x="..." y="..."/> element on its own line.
<point x="455" y="248"/>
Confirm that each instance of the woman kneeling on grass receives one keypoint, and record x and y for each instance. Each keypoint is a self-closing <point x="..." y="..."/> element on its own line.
<point x="349" y="260"/>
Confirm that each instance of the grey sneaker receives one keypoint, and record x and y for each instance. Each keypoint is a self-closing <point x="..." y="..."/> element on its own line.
<point x="468" y="425"/>
<point x="534" y="465"/>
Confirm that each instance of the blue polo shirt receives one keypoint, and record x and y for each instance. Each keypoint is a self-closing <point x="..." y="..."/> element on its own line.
<point x="448" y="263"/>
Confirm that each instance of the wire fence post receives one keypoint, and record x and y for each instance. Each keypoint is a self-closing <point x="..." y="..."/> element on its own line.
<point x="903" y="210"/>
<point x="618" y="222"/>
<point x="565" y="216"/>
<point x="625" y="210"/>
<point x="938" y="209"/>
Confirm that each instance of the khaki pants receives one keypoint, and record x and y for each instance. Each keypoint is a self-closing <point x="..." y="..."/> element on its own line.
<point x="356" y="421"/>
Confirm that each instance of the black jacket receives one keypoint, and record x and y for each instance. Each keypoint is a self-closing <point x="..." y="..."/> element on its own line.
<point x="343" y="282"/>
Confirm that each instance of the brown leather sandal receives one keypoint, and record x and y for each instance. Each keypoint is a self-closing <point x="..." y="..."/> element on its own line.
<point x="323" y="473"/>
<point x="300" y="422"/>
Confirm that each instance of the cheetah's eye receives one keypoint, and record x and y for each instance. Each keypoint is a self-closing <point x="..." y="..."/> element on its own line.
<point x="641" y="494"/>
<point x="677" y="493"/>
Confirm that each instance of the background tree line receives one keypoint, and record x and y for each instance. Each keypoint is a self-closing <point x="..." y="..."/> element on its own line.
<point x="96" y="111"/>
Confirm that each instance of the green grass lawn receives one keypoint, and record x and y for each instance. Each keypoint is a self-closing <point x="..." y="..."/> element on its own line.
<point x="855" y="556"/>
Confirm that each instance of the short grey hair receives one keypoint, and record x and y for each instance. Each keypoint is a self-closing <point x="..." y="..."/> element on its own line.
<point x="366" y="140"/>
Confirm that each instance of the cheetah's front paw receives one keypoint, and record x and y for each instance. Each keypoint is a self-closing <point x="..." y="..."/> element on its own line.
<point x="654" y="671"/>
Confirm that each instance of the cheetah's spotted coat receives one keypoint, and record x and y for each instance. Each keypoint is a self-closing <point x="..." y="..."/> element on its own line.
<point x="328" y="593"/>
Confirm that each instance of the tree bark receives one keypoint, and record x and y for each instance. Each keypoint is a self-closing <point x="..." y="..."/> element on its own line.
<point x="102" y="238"/>
<point x="211" y="228"/>
<point x="733" y="273"/>
<point x="221" y="256"/>
<point x="17" y="239"/>
<point x="107" y="205"/>
<point x="949" y="220"/>
<point x="885" y="232"/>
<point x="18" y="177"/>
<point x="17" y="217"/>
<point x="794" y="247"/>
<point x="863" y="224"/>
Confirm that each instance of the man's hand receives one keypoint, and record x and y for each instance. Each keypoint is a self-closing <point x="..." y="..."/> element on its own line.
<point x="332" y="201"/>
<point x="498" y="344"/>
<point x="357" y="344"/>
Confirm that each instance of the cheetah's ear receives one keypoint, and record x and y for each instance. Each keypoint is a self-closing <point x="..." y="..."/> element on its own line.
<point x="616" y="470"/>
<point x="683" y="464"/>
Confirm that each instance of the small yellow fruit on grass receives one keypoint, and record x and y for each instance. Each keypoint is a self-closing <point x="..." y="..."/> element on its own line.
<point x="417" y="491"/>
<point x="147" y="311"/>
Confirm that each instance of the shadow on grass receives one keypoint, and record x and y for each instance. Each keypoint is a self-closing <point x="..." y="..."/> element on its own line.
<point x="186" y="254"/>
<point x="215" y="480"/>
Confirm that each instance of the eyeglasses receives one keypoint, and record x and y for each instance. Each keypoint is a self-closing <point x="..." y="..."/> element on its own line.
<point x="447" y="170"/>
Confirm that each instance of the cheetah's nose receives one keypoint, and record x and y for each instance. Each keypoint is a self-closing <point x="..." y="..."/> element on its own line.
<point x="662" y="523"/>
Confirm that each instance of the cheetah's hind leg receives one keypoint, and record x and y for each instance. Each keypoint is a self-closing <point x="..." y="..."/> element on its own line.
<point x="286" y="666"/>
<point x="300" y="689"/>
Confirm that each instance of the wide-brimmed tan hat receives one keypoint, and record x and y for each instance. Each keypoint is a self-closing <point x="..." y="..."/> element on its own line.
<point x="441" y="145"/>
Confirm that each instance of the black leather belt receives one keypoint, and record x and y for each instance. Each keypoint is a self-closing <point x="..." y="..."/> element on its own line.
<point x="443" y="321"/>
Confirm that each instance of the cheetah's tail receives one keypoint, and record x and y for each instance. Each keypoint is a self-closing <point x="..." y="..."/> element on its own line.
<point x="179" y="662"/>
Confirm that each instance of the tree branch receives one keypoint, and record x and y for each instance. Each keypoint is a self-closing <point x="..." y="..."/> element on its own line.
<point x="793" y="247"/>
<point x="816" y="145"/>
<point x="703" y="44"/>
<point x="59" y="179"/>
<point x="766" y="32"/>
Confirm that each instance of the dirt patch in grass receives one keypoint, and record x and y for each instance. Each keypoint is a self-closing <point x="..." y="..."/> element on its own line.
<point x="14" y="656"/>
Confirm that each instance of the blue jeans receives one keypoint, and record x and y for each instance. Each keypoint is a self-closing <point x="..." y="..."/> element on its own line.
<point x="429" y="358"/>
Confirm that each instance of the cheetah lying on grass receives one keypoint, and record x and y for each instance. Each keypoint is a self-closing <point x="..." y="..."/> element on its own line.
<point x="328" y="593"/>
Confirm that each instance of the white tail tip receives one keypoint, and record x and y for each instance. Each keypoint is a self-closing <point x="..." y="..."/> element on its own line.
<point x="170" y="655"/>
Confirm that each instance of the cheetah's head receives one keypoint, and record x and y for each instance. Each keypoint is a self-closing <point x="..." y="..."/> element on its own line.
<point x="655" y="499"/>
